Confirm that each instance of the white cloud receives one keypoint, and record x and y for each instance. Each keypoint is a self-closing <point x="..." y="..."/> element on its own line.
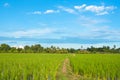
<point x="107" y="34"/>
<point x="6" y="4"/>
<point x="94" y="8"/>
<point x="34" y="33"/>
<point x="102" y="13"/>
<point x="98" y="10"/>
<point x="80" y="7"/>
<point x="91" y="21"/>
<point x="110" y="7"/>
<point x="37" y="12"/>
<point x="69" y="10"/>
<point x="93" y="28"/>
<point x="51" y="11"/>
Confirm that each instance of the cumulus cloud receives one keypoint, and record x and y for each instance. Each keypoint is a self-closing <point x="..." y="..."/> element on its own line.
<point x="69" y="10"/>
<point x="80" y="7"/>
<point x="98" y="10"/>
<point x="51" y="11"/>
<point x="6" y="4"/>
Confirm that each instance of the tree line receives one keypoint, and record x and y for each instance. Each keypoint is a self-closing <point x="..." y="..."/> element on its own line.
<point x="37" y="48"/>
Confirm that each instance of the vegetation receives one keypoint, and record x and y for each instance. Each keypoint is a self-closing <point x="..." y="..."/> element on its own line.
<point x="29" y="66"/>
<point x="96" y="66"/>
<point x="44" y="66"/>
<point x="37" y="48"/>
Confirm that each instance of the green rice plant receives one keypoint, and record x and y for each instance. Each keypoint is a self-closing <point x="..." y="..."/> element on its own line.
<point x="29" y="66"/>
<point x="96" y="66"/>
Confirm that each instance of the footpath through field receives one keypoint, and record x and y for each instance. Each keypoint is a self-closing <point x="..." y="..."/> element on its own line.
<point x="65" y="71"/>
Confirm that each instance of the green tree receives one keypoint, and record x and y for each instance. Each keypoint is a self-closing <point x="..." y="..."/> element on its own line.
<point x="37" y="48"/>
<point x="20" y="50"/>
<point x="53" y="49"/>
<point x="27" y="49"/>
<point x="13" y="50"/>
<point x="4" y="48"/>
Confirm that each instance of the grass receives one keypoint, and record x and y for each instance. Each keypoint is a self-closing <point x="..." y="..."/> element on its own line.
<point x="97" y="66"/>
<point x="29" y="66"/>
<point x="49" y="66"/>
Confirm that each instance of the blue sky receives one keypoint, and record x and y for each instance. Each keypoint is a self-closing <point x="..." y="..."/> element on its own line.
<point x="60" y="21"/>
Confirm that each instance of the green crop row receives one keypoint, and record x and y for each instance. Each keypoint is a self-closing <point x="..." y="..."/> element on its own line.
<point x="45" y="66"/>
<point x="29" y="66"/>
<point x="96" y="66"/>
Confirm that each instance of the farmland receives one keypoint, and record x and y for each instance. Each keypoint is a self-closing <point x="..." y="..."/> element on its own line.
<point x="96" y="67"/>
<point x="46" y="66"/>
<point x="29" y="66"/>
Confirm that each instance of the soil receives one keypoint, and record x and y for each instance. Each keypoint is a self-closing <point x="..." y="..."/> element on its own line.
<point x="65" y="72"/>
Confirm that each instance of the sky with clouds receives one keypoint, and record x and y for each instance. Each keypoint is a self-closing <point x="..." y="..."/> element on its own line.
<point x="60" y="21"/>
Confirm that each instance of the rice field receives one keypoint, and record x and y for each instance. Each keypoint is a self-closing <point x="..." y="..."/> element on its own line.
<point x="96" y="66"/>
<point x="29" y="66"/>
<point x="46" y="66"/>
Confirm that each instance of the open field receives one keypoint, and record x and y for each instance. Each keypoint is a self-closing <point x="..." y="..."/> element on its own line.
<point x="57" y="66"/>
<point x="96" y="67"/>
<point x="29" y="66"/>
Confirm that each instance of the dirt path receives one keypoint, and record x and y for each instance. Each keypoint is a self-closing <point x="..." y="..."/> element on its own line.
<point x="64" y="67"/>
<point x="65" y="72"/>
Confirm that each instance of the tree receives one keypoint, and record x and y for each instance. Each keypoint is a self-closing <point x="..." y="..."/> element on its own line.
<point x="114" y="46"/>
<point x="71" y="50"/>
<point x="63" y="50"/>
<point x="53" y="49"/>
<point x="27" y="49"/>
<point x="37" y="48"/>
<point x="4" y="48"/>
<point x="13" y="50"/>
<point x="20" y="50"/>
<point x="47" y="50"/>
